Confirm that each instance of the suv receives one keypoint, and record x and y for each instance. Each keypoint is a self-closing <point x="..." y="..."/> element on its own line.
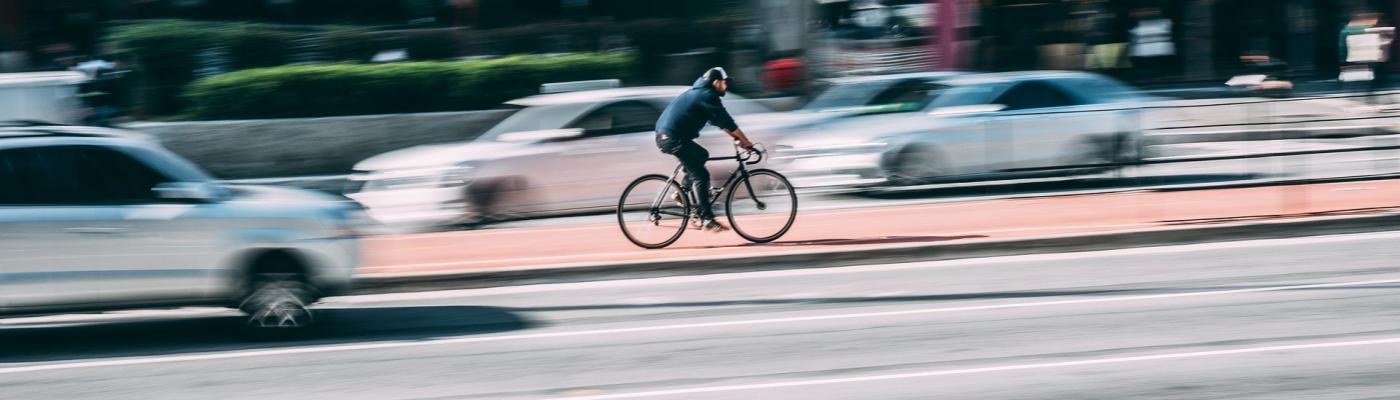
<point x="95" y="219"/>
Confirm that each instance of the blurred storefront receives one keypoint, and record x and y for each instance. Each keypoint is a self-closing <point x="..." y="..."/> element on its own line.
<point x="1193" y="40"/>
<point x="1205" y="38"/>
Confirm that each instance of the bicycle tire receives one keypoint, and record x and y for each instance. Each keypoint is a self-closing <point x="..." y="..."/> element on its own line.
<point x="628" y="202"/>
<point x="743" y="183"/>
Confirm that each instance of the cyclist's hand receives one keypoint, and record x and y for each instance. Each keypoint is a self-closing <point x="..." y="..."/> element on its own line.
<point x="747" y="145"/>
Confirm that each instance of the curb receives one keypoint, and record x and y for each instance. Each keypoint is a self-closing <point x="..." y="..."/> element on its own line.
<point x="1315" y="226"/>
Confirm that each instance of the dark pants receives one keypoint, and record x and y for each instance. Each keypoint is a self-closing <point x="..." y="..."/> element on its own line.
<point x="697" y="178"/>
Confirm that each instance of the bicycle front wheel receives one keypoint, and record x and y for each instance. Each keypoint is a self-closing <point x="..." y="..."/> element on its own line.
<point x="761" y="206"/>
<point x="653" y="212"/>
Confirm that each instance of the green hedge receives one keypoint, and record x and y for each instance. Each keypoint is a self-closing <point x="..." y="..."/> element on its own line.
<point x="352" y="89"/>
<point x="165" y="51"/>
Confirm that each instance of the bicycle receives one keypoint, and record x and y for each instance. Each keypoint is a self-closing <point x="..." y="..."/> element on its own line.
<point x="760" y="204"/>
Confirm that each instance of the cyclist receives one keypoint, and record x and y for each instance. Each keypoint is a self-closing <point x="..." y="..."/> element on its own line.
<point x="680" y="125"/>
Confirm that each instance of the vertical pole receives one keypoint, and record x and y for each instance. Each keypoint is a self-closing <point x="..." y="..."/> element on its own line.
<point x="946" y="47"/>
<point x="1199" y="36"/>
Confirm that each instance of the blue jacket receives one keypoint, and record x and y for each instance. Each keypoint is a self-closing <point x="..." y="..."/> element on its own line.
<point x="689" y="112"/>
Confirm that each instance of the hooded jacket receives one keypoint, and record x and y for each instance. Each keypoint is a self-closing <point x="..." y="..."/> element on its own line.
<point x="689" y="112"/>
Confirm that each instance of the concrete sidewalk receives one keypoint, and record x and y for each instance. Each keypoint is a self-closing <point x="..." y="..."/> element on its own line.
<point x="913" y="232"/>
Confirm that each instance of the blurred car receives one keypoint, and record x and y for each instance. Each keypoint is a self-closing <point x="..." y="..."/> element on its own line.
<point x="94" y="219"/>
<point x="850" y="98"/>
<point x="977" y="126"/>
<point x="878" y="94"/>
<point x="559" y="153"/>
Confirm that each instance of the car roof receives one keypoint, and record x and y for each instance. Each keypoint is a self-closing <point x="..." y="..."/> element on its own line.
<point x="599" y="95"/>
<point x="35" y="133"/>
<point x="45" y="78"/>
<point x="889" y="77"/>
<point x="1018" y="76"/>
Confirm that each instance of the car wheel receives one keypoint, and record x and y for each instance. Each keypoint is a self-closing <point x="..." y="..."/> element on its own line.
<point x="1106" y="154"/>
<point x="278" y="304"/>
<point x="491" y="201"/>
<point x="912" y="165"/>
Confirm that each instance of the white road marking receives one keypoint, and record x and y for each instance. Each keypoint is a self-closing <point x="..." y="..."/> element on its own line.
<point x="1003" y="368"/>
<point x="550" y="287"/>
<point x="659" y="328"/>
<point x="63" y="319"/>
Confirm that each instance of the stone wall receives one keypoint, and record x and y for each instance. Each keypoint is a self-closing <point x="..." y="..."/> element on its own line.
<point x="239" y="149"/>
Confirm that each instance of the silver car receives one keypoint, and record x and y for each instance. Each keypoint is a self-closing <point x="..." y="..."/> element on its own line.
<point x="978" y="126"/>
<point x="94" y="219"/>
<point x="559" y="153"/>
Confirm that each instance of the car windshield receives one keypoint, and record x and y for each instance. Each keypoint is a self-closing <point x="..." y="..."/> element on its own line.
<point x="968" y="95"/>
<point x="535" y="118"/>
<point x="558" y="116"/>
<point x="876" y="96"/>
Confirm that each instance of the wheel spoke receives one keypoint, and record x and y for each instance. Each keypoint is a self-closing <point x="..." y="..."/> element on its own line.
<point x="763" y="208"/>
<point x="651" y="214"/>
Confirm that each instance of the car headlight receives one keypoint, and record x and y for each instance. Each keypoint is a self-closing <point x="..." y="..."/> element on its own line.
<point x="348" y="222"/>
<point x="418" y="178"/>
<point x="457" y="176"/>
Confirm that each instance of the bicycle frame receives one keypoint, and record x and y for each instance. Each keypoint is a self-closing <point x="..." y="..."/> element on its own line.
<point x="744" y="159"/>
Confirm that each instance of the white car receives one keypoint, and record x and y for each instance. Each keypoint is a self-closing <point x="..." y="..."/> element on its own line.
<point x="978" y="126"/>
<point x="95" y="219"/>
<point x="559" y="153"/>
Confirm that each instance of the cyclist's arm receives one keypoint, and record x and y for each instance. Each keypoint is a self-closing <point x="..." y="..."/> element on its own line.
<point x="720" y="117"/>
<point x="738" y="134"/>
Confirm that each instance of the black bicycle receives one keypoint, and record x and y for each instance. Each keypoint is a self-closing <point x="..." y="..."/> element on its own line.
<point x="760" y="204"/>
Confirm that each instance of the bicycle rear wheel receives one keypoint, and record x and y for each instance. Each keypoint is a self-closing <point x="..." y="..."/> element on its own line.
<point x="761" y="206"/>
<point x="653" y="212"/>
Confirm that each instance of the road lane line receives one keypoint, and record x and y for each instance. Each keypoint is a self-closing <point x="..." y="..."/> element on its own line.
<point x="1004" y="368"/>
<point x="620" y="283"/>
<point x="680" y="327"/>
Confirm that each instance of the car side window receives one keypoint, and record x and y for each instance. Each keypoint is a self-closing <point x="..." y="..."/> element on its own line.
<point x="599" y="120"/>
<point x="620" y="118"/>
<point x="915" y="93"/>
<point x="117" y="177"/>
<point x="632" y="117"/>
<point x="1034" y="95"/>
<point x="28" y="181"/>
<point x="75" y="175"/>
<point x="1097" y="89"/>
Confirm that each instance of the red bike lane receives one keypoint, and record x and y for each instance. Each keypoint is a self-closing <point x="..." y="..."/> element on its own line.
<point x="872" y="227"/>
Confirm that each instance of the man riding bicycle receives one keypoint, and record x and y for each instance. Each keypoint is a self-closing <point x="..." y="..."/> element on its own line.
<point x="680" y="125"/>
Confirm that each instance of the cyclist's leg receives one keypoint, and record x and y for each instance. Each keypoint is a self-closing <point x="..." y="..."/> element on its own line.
<point x="693" y="158"/>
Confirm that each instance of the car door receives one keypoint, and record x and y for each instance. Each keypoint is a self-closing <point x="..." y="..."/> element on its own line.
<point x="152" y="249"/>
<point x="47" y="234"/>
<point x="966" y="143"/>
<point x="1042" y="119"/>
<point x="618" y="145"/>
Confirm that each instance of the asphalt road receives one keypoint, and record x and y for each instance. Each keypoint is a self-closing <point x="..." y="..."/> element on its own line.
<point x="1295" y="318"/>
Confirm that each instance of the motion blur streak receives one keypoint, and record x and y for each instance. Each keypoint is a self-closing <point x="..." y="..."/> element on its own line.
<point x="1199" y="354"/>
<point x="321" y="349"/>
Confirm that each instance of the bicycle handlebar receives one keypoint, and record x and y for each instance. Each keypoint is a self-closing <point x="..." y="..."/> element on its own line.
<point x="750" y="157"/>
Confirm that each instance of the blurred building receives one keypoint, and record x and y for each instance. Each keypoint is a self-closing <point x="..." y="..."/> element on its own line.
<point x="1207" y="37"/>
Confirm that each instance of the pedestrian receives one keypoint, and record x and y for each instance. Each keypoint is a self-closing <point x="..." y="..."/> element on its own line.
<point x="1363" y="50"/>
<point x="1107" y="41"/>
<point x="1152" y="46"/>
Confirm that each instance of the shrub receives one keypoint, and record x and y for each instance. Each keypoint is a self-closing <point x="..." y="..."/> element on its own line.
<point x="351" y="89"/>
<point x="166" y="53"/>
